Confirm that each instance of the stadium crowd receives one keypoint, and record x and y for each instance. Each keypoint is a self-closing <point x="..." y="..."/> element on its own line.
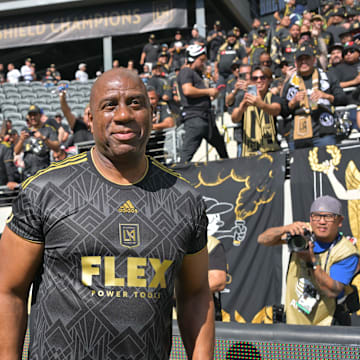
<point x="281" y="81"/>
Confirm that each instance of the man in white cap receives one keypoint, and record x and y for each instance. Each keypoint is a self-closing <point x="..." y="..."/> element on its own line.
<point x="318" y="290"/>
<point x="196" y="102"/>
<point x="81" y="74"/>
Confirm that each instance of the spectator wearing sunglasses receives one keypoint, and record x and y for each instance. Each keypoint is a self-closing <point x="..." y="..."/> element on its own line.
<point x="256" y="111"/>
<point x="308" y="97"/>
<point x="347" y="73"/>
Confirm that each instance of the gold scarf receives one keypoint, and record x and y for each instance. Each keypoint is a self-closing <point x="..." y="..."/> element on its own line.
<point x="259" y="131"/>
<point x="302" y="122"/>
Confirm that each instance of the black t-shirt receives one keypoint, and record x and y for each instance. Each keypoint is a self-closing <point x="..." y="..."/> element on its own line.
<point x="36" y="152"/>
<point x="8" y="171"/>
<point x="216" y="42"/>
<point x="217" y="259"/>
<point x="192" y="105"/>
<point x="152" y="52"/>
<point x="111" y="257"/>
<point x="226" y="56"/>
<point x="81" y="132"/>
<point x="345" y="72"/>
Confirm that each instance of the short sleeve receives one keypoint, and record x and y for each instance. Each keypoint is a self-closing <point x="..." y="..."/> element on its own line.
<point x="199" y="237"/>
<point x="25" y="219"/>
<point x="344" y="270"/>
<point x="186" y="76"/>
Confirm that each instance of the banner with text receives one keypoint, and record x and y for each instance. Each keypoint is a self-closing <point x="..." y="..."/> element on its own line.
<point x="122" y="18"/>
<point x="247" y="195"/>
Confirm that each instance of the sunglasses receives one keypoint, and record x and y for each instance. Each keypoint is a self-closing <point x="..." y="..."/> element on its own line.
<point x="256" y="78"/>
<point x="351" y="51"/>
<point x="266" y="62"/>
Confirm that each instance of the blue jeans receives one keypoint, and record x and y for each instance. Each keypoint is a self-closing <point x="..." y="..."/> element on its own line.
<point x="316" y="142"/>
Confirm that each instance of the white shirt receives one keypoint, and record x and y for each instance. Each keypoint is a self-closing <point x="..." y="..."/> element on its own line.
<point x="82" y="76"/>
<point x="26" y="72"/>
<point x="13" y="76"/>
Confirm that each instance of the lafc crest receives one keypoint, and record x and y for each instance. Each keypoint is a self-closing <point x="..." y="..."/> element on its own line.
<point x="163" y="12"/>
<point x="129" y="235"/>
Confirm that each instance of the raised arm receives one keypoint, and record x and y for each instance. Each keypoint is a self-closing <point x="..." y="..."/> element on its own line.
<point x="70" y="117"/>
<point x="20" y="259"/>
<point x="195" y="307"/>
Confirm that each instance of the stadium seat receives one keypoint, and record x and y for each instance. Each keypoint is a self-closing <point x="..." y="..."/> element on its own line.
<point x="23" y="105"/>
<point x="13" y="116"/>
<point x="45" y="107"/>
<point x="36" y="83"/>
<point x="8" y="86"/>
<point x="8" y="101"/>
<point x="24" y="113"/>
<point x="8" y="107"/>
<point x="12" y="94"/>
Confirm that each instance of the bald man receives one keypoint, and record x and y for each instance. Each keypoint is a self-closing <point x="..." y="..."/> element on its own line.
<point x="85" y="232"/>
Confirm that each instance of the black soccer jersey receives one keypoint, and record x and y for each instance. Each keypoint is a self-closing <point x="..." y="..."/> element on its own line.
<point x="111" y="256"/>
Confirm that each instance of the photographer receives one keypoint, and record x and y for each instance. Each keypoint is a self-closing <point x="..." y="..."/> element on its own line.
<point x="318" y="290"/>
<point x="36" y="141"/>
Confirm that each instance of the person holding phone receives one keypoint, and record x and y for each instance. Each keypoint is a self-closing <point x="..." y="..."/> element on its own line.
<point x="256" y="111"/>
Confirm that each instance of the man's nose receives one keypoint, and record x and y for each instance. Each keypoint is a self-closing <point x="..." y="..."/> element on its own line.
<point x="123" y="113"/>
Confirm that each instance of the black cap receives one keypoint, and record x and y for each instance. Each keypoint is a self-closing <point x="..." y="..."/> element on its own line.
<point x="217" y="23"/>
<point x="351" y="45"/>
<point x="261" y="29"/>
<point x="283" y="62"/>
<point x="52" y="65"/>
<point x="28" y="59"/>
<point x="152" y="36"/>
<point x="34" y="109"/>
<point x="304" y="50"/>
<point x="338" y="12"/>
<point x="231" y="33"/>
<point x="178" y="32"/>
<point x="336" y="46"/>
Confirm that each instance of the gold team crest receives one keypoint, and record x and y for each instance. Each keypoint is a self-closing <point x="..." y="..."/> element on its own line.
<point x="129" y="235"/>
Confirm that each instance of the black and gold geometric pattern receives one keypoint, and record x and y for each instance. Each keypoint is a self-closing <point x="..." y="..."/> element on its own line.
<point x="95" y="297"/>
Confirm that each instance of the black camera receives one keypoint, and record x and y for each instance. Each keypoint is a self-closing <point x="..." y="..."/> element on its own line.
<point x="298" y="243"/>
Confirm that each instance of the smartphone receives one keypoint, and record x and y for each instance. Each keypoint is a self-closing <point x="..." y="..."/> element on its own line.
<point x="252" y="90"/>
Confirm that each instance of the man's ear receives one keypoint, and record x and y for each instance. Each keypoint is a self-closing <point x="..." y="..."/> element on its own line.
<point x="91" y="121"/>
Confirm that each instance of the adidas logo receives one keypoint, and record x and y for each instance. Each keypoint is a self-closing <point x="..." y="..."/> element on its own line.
<point x="127" y="207"/>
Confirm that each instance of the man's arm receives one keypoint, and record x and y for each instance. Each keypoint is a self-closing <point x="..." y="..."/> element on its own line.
<point x="275" y="236"/>
<point x="167" y="123"/>
<point x="191" y="91"/>
<point x="20" y="260"/>
<point x="70" y="117"/>
<point x="195" y="307"/>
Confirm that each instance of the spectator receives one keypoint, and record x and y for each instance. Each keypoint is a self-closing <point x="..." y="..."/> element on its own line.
<point x="33" y="71"/>
<point x="59" y="155"/>
<point x="196" y="102"/>
<point x="161" y="118"/>
<point x="215" y="39"/>
<point x="228" y="53"/>
<point x="177" y="51"/>
<point x="80" y="127"/>
<point x="36" y="141"/>
<point x="337" y="24"/>
<point x="308" y="96"/>
<point x="116" y="64"/>
<point x="54" y="72"/>
<point x="347" y="73"/>
<point x="81" y="74"/>
<point x="9" y="175"/>
<point x="336" y="56"/>
<point x="253" y="33"/>
<point x="150" y="52"/>
<point x="26" y="71"/>
<point x="195" y="38"/>
<point x="2" y="73"/>
<point x="259" y="136"/>
<point x="13" y="75"/>
<point x="160" y="83"/>
<point x="258" y="46"/>
<point x="131" y="66"/>
<point x="63" y="131"/>
<point x="146" y="74"/>
<point x="163" y="60"/>
<point x="286" y="47"/>
<point x="48" y="79"/>
<point x="235" y="90"/>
